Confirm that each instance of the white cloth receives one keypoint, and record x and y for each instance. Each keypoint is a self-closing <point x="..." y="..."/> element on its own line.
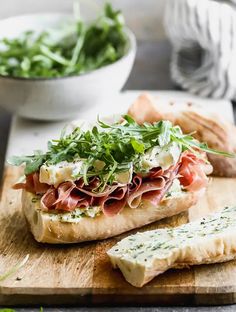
<point x="203" y="36"/>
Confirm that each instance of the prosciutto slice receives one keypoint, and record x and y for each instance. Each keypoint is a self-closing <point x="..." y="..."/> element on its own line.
<point x="113" y="203"/>
<point x="155" y="173"/>
<point x="108" y="190"/>
<point x="48" y="199"/>
<point x="155" y="197"/>
<point x="67" y="198"/>
<point x="70" y="202"/>
<point x="32" y="184"/>
<point x="190" y="170"/>
<point x="153" y="187"/>
<point x="135" y="198"/>
<point x="135" y="184"/>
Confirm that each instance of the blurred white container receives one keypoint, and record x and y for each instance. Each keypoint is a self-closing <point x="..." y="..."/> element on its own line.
<point x="203" y="36"/>
<point x="59" y="98"/>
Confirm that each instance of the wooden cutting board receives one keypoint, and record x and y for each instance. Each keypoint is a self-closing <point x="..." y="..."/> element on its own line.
<point x="82" y="274"/>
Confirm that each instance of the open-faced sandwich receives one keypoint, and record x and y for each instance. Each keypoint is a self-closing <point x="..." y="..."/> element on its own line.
<point x="98" y="183"/>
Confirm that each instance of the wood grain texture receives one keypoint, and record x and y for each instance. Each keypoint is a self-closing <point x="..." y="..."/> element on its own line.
<point x="82" y="274"/>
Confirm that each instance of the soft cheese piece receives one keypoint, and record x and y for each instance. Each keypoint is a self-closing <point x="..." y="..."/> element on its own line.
<point x="163" y="157"/>
<point x="143" y="256"/>
<point x="67" y="171"/>
<point x="61" y="172"/>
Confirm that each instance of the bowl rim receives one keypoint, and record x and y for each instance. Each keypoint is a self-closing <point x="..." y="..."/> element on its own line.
<point x="132" y="47"/>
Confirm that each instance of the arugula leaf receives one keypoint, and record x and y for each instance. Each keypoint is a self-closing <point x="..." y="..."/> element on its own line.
<point x="117" y="146"/>
<point x="137" y="146"/>
<point x="32" y="162"/>
<point x="164" y="136"/>
<point x="18" y="160"/>
<point x="129" y="120"/>
<point x="204" y="147"/>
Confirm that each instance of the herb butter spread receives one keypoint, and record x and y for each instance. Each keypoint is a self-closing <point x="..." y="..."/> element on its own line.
<point x="74" y="216"/>
<point x="142" y="256"/>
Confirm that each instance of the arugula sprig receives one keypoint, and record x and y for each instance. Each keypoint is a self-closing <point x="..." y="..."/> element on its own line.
<point x="117" y="146"/>
<point x="72" y="50"/>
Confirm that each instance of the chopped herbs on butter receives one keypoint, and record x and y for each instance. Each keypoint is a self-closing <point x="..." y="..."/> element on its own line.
<point x="35" y="199"/>
<point x="76" y="215"/>
<point x="160" y="243"/>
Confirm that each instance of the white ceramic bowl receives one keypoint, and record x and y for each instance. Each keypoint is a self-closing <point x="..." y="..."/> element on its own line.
<point x="59" y="98"/>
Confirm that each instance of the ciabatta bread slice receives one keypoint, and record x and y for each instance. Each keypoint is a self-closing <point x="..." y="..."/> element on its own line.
<point x="143" y="256"/>
<point x="50" y="228"/>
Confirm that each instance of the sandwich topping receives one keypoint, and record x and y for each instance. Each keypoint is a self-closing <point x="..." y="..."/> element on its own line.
<point x="115" y="166"/>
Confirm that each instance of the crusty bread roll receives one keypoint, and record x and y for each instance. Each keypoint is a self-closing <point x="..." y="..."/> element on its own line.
<point x="48" y="230"/>
<point x="218" y="134"/>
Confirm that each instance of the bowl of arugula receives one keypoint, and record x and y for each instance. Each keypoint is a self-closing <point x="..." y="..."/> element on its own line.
<point x="53" y="66"/>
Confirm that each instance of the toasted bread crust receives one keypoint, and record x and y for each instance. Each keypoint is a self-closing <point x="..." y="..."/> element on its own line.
<point x="48" y="230"/>
<point x="143" y="109"/>
<point x="218" y="135"/>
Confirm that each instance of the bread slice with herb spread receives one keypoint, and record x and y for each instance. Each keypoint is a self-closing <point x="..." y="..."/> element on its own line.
<point x="143" y="256"/>
<point x="74" y="227"/>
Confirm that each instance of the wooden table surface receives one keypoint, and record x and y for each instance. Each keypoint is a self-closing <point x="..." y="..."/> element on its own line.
<point x="150" y="72"/>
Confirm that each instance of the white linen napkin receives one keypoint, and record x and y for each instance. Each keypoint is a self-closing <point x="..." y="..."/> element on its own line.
<point x="203" y="36"/>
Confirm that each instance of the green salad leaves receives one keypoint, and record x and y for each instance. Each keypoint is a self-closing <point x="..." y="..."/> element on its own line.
<point x="118" y="147"/>
<point x="74" y="49"/>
